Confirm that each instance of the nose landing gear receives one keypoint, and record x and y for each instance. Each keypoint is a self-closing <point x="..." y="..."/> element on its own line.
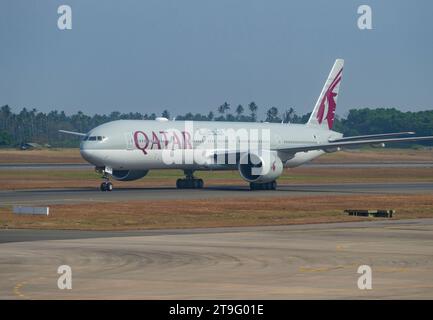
<point x="190" y="182"/>
<point x="106" y="185"/>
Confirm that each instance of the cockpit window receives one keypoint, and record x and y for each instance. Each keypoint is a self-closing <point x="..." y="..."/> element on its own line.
<point x="94" y="138"/>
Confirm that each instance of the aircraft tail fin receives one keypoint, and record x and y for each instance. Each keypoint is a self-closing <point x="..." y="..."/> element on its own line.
<point x="324" y="111"/>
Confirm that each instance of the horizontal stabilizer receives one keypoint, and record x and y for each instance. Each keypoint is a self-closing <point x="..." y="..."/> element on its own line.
<point x="373" y="136"/>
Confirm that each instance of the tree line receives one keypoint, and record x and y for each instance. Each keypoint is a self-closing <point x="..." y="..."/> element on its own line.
<point x="30" y="125"/>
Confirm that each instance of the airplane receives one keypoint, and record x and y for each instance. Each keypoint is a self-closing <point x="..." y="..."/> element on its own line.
<point x="127" y="149"/>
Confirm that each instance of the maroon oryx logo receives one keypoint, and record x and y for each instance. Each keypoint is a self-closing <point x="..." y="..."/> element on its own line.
<point x="329" y="99"/>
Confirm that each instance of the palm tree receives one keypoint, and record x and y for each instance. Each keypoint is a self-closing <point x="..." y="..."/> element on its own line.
<point x="115" y="115"/>
<point x="5" y="113"/>
<point x="253" y="109"/>
<point x="165" y="114"/>
<point x="288" y="115"/>
<point x="223" y="108"/>
<point x="272" y="115"/>
<point x="239" y="111"/>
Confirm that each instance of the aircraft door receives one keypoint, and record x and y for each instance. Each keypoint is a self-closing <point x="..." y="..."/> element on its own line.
<point x="129" y="141"/>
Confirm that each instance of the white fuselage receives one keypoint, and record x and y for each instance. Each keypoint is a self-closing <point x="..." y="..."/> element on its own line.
<point x="141" y="144"/>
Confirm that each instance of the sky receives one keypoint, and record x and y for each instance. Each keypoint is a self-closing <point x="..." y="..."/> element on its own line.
<point x="193" y="55"/>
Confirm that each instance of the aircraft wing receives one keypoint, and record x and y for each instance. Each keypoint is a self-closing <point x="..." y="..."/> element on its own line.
<point x="73" y="133"/>
<point x="331" y="146"/>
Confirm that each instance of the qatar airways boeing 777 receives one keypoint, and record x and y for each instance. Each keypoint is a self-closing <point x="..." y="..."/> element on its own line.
<point x="127" y="149"/>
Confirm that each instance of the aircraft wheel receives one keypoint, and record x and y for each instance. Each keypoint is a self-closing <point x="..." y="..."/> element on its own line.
<point x="106" y="186"/>
<point x="189" y="183"/>
<point x="263" y="186"/>
<point x="196" y="184"/>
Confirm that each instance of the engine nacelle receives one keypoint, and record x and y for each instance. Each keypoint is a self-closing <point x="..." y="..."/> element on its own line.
<point x="128" y="175"/>
<point x="260" y="168"/>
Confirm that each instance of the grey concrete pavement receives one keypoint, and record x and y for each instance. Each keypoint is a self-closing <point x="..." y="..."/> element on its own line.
<point x="281" y="262"/>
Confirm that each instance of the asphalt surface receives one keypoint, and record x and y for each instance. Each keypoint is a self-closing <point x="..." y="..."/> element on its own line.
<point x="89" y="195"/>
<point x="279" y="262"/>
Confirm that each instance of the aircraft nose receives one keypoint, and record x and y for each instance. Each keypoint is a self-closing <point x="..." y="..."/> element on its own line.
<point x="87" y="154"/>
<point x="92" y="148"/>
<point x="90" y="155"/>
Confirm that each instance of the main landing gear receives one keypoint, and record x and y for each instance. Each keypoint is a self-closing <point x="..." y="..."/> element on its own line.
<point x="263" y="186"/>
<point x="189" y="182"/>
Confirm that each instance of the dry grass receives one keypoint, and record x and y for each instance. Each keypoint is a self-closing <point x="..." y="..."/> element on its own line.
<point x="217" y="212"/>
<point x="71" y="155"/>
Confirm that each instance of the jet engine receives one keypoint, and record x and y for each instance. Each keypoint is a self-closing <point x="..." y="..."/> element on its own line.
<point x="128" y="175"/>
<point x="261" y="167"/>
